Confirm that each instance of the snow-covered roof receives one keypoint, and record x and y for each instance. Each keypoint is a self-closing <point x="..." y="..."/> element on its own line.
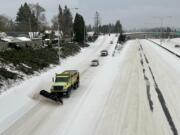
<point x="2" y="34"/>
<point x="7" y="39"/>
<point x="11" y="39"/>
<point x="90" y="33"/>
<point x="58" y="33"/>
<point x="24" y="38"/>
<point x="48" y="31"/>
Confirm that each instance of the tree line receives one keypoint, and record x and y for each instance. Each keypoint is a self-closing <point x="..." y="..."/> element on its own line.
<point x="31" y="18"/>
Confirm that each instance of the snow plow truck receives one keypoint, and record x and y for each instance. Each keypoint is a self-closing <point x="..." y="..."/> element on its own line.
<point x="63" y="84"/>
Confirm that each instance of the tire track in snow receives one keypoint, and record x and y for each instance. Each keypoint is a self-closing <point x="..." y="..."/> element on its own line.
<point x="146" y="79"/>
<point x="86" y="93"/>
<point x="161" y="98"/>
<point x="107" y="47"/>
<point x="106" y="102"/>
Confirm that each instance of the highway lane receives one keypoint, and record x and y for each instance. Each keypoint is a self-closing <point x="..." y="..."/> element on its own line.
<point x="165" y="69"/>
<point x="41" y="112"/>
<point x="113" y="97"/>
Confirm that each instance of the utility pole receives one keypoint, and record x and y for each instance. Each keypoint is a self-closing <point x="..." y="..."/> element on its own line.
<point x="74" y="15"/>
<point x="97" y="21"/>
<point x="59" y="50"/>
<point x="161" y="19"/>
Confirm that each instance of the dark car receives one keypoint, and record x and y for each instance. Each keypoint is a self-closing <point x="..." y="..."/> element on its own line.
<point x="94" y="63"/>
<point x="104" y="53"/>
<point x="111" y="42"/>
<point x="177" y="46"/>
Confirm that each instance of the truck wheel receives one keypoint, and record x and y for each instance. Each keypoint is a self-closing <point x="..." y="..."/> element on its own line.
<point x="74" y="86"/>
<point x="77" y="84"/>
<point x="68" y="93"/>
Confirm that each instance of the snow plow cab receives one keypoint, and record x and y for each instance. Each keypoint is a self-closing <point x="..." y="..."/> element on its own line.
<point x="62" y="85"/>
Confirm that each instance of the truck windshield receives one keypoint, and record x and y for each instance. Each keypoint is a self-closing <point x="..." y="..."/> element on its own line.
<point x="62" y="79"/>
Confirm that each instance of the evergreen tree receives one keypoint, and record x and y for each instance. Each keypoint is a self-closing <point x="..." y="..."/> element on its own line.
<point x="39" y="13"/>
<point x="26" y="20"/>
<point x="67" y="22"/>
<point x="122" y="38"/>
<point x="118" y="27"/>
<point x="54" y="23"/>
<point x="60" y="18"/>
<point x="79" y="29"/>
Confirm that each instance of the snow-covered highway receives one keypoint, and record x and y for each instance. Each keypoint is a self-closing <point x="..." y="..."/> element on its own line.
<point x="119" y="97"/>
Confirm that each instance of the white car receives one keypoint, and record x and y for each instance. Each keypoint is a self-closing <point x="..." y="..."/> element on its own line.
<point x="94" y="63"/>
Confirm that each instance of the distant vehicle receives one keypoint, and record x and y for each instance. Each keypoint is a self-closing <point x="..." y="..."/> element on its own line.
<point x="104" y="53"/>
<point x="177" y="46"/>
<point x="111" y="42"/>
<point x="94" y="63"/>
<point x="62" y="85"/>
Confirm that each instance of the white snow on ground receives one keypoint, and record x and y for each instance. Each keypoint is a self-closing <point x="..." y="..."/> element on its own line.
<point x="166" y="70"/>
<point x="111" y="100"/>
<point x="174" y="61"/>
<point x="169" y="44"/>
<point x="175" y="40"/>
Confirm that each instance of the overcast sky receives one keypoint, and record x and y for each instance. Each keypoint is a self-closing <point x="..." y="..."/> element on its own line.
<point x="132" y="13"/>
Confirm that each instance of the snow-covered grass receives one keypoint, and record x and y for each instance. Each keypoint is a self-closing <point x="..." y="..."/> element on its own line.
<point x="27" y="63"/>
